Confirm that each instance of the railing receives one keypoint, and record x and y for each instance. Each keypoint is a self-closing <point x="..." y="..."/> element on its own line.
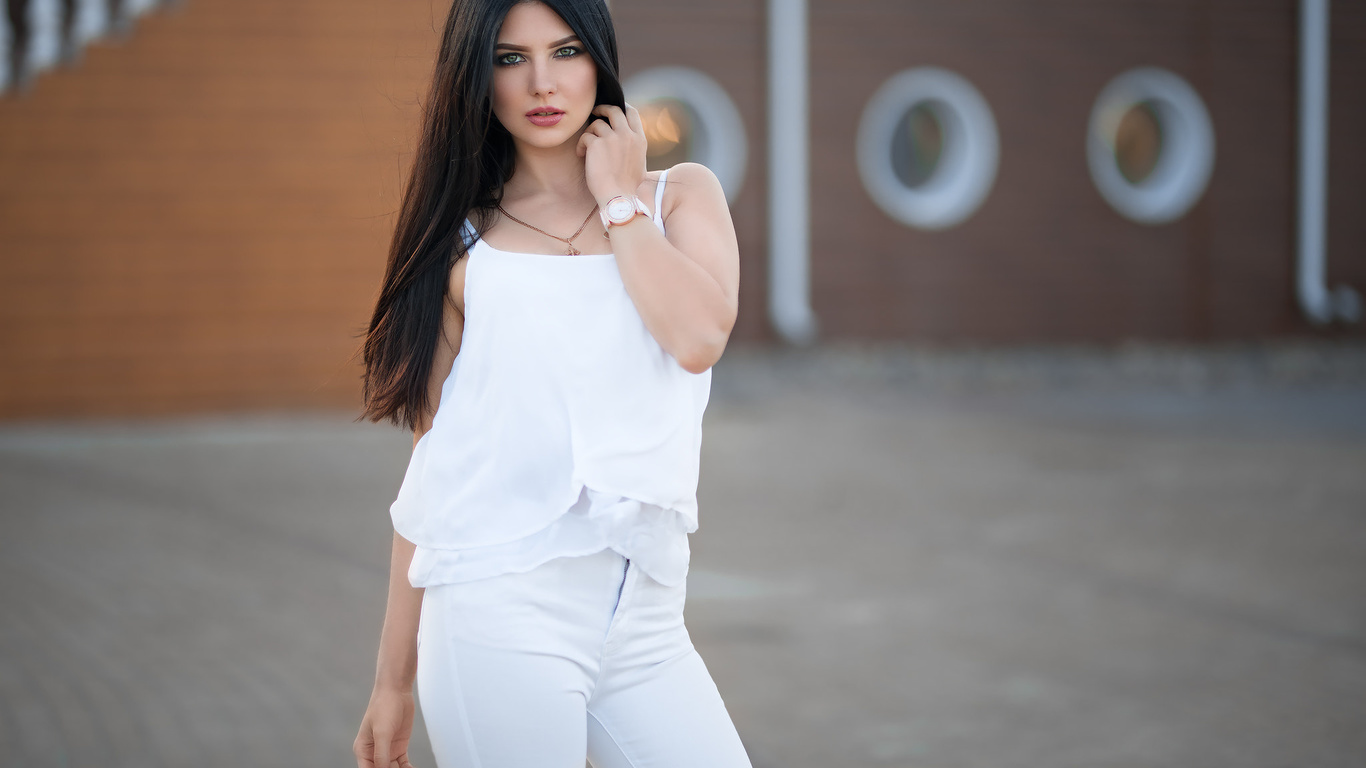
<point x="38" y="35"/>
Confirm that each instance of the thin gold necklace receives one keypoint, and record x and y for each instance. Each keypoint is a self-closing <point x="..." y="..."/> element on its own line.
<point x="569" y="241"/>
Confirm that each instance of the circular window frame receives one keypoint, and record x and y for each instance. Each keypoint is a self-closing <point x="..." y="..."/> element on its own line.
<point x="966" y="170"/>
<point x="1185" y="161"/>
<point x="722" y="146"/>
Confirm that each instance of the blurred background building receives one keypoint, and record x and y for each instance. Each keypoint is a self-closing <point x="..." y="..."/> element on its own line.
<point x="196" y="198"/>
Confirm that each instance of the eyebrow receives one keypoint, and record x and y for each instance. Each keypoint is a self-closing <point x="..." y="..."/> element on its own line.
<point x="555" y="44"/>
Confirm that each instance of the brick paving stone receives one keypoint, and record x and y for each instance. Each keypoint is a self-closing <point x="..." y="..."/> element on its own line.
<point x="907" y="557"/>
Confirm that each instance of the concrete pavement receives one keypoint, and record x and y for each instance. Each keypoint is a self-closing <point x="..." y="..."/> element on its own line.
<point x="902" y="561"/>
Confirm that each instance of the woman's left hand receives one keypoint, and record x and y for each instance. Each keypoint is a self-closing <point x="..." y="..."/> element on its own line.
<point x="614" y="152"/>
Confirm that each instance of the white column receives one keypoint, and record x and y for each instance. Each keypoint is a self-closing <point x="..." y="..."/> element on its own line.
<point x="44" y="46"/>
<point x="92" y="20"/>
<point x="789" y="176"/>
<point x="6" y="45"/>
<point x="1319" y="304"/>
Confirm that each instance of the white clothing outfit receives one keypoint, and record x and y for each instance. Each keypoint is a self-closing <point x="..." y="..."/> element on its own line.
<point x="550" y="504"/>
<point x="562" y="428"/>
<point x="580" y="657"/>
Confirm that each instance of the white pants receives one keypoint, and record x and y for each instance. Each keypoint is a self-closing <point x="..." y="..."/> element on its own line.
<point x="583" y="656"/>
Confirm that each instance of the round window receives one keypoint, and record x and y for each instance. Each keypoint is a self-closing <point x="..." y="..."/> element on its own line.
<point x="917" y="145"/>
<point x="688" y="117"/>
<point x="928" y="148"/>
<point x="1138" y="142"/>
<point x="1150" y="145"/>
<point x="671" y="130"/>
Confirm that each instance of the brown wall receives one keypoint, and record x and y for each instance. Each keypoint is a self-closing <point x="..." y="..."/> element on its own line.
<point x="196" y="217"/>
<point x="1045" y="258"/>
<point x="725" y="40"/>
<point x="1347" y="147"/>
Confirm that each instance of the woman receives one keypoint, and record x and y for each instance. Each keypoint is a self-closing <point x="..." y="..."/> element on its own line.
<point x="547" y="325"/>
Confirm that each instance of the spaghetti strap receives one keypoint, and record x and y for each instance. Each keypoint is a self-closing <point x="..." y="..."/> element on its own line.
<point x="659" y="199"/>
<point x="469" y="233"/>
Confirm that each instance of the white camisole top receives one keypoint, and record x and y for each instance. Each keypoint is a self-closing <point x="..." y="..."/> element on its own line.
<point x="563" y="428"/>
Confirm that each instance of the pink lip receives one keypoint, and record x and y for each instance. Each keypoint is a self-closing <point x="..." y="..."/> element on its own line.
<point x="547" y="116"/>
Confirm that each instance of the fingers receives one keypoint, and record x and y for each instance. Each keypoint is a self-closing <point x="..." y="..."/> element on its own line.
<point x="382" y="742"/>
<point x="615" y="115"/>
<point x="362" y="750"/>
<point x="633" y="119"/>
<point x="584" y="142"/>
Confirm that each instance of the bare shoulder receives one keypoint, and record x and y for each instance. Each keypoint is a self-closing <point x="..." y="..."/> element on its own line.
<point x="691" y="182"/>
<point x="689" y="185"/>
<point x="693" y="173"/>
<point x="697" y="221"/>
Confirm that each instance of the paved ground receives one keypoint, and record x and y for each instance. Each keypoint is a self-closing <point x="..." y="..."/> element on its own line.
<point x="941" y="560"/>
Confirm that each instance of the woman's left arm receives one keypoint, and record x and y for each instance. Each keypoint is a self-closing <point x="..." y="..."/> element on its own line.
<point x="686" y="285"/>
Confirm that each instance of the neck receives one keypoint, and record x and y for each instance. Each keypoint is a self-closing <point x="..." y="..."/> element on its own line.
<point x="556" y="171"/>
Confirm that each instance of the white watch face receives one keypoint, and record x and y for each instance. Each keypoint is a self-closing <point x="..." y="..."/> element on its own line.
<point x="620" y="210"/>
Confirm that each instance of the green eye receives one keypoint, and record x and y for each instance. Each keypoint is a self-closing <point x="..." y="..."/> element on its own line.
<point x="508" y="59"/>
<point x="572" y="51"/>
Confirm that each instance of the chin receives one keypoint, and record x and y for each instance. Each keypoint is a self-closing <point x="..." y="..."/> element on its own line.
<point x="544" y="141"/>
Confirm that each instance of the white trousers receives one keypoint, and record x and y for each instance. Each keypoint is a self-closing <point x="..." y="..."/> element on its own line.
<point x="580" y="657"/>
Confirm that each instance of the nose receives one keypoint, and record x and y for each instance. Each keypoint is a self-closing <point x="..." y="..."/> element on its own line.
<point x="542" y="79"/>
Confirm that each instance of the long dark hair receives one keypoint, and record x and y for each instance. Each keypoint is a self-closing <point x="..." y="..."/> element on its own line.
<point x="464" y="156"/>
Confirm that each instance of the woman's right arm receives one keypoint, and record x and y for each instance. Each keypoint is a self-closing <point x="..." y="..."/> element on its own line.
<point x="388" y="722"/>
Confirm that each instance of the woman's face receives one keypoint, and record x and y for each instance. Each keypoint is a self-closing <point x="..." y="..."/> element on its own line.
<point x="544" y="82"/>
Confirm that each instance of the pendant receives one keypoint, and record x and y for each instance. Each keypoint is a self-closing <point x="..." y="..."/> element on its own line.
<point x="572" y="250"/>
